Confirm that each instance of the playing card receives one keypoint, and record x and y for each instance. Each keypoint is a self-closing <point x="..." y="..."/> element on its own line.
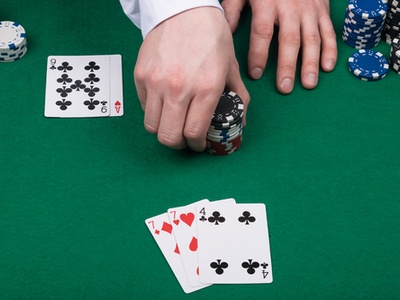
<point x="233" y="243"/>
<point x="183" y="220"/>
<point x="116" y="86"/>
<point x="162" y="231"/>
<point x="84" y="86"/>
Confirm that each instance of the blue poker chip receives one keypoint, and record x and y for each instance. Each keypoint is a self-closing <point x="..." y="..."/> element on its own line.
<point x="355" y="31"/>
<point x="359" y="42"/>
<point x="368" y="9"/>
<point x="361" y="46"/>
<point x="369" y="79"/>
<point x="223" y="139"/>
<point x="351" y="15"/>
<point x="362" y="30"/>
<point x="359" y="21"/>
<point x="224" y="132"/>
<point x="368" y="64"/>
<point x="224" y="135"/>
<point x="220" y="138"/>
<point x="362" y="26"/>
<point x="362" y="36"/>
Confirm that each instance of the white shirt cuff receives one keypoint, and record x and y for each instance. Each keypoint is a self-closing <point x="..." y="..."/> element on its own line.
<point x="147" y="14"/>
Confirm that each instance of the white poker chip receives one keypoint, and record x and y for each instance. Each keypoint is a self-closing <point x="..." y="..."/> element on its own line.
<point x="13" y="44"/>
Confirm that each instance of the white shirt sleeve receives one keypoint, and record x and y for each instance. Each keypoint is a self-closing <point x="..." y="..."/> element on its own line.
<point x="147" y="14"/>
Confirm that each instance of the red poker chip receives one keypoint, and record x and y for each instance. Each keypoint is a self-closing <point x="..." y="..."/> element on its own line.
<point x="224" y="148"/>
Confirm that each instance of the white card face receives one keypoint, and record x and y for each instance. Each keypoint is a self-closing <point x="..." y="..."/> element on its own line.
<point x="162" y="231"/>
<point x="116" y="86"/>
<point x="183" y="220"/>
<point x="84" y="86"/>
<point x="233" y="243"/>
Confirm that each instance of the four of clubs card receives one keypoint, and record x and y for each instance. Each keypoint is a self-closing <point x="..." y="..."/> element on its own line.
<point x="84" y="86"/>
<point x="214" y="242"/>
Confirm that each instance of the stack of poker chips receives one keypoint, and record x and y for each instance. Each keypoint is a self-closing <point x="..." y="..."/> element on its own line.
<point x="368" y="65"/>
<point x="364" y="22"/>
<point x="13" y="45"/>
<point x="392" y="24"/>
<point x="394" y="60"/>
<point x="224" y="135"/>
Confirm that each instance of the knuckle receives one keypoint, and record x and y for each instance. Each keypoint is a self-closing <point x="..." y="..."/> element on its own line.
<point x="263" y="30"/>
<point x="330" y="34"/>
<point x="139" y="73"/>
<point x="175" y="82"/>
<point x="289" y="69"/>
<point x="312" y="38"/>
<point x="172" y="79"/>
<point x="310" y="64"/>
<point x="290" y="38"/>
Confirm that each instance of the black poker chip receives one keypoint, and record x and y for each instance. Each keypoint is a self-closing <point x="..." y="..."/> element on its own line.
<point x="392" y="23"/>
<point x="228" y="110"/>
<point x="394" y="60"/>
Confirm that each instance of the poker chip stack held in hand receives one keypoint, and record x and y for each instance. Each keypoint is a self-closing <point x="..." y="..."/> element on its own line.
<point x="224" y="135"/>
<point x="13" y="45"/>
<point x="363" y="23"/>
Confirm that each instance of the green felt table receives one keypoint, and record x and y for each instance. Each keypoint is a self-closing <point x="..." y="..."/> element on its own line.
<point x="74" y="193"/>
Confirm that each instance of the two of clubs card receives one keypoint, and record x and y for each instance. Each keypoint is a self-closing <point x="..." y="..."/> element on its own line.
<point x="84" y="86"/>
<point x="214" y="242"/>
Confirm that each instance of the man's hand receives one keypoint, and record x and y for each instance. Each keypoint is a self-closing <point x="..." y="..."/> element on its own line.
<point x="302" y="23"/>
<point x="183" y="66"/>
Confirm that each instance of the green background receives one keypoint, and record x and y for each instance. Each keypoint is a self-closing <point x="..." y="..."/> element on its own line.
<point x="74" y="193"/>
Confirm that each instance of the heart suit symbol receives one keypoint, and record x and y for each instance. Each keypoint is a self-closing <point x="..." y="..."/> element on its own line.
<point x="187" y="218"/>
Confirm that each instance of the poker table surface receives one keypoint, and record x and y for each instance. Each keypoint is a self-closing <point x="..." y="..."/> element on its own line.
<point x="74" y="193"/>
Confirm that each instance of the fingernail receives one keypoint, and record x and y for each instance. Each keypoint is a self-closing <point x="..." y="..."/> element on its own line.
<point x="329" y="64"/>
<point x="256" y="73"/>
<point x="286" y="85"/>
<point x="310" y="80"/>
